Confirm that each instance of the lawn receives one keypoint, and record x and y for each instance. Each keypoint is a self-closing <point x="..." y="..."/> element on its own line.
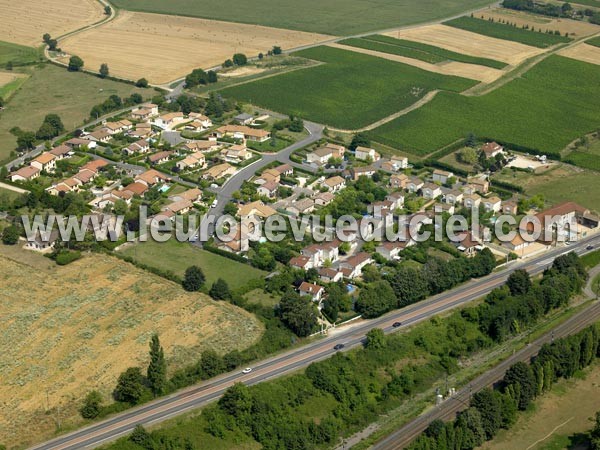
<point x="52" y="89"/>
<point x="336" y="17"/>
<point x="595" y="41"/>
<point x="417" y="50"/>
<point x="349" y="90"/>
<point x="543" y="110"/>
<point x="18" y="54"/>
<point x="7" y="196"/>
<point x="178" y="256"/>
<point x="507" y="32"/>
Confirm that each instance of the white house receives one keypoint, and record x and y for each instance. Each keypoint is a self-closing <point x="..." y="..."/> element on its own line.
<point x="441" y="176"/>
<point x="366" y="154"/>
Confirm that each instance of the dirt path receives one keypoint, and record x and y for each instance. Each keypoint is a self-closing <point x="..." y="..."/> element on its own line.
<point x="10" y="187"/>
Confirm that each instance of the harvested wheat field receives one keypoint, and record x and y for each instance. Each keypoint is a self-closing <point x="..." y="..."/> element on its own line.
<point x="583" y="52"/>
<point x="468" y="43"/>
<point x="30" y="19"/>
<point x="68" y="330"/>
<point x="472" y="71"/>
<point x="9" y="77"/>
<point x="575" y="28"/>
<point x="163" y="48"/>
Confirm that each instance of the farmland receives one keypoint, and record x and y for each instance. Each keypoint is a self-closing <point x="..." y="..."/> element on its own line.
<point x="18" y="54"/>
<point x="417" y="50"/>
<point x="10" y="82"/>
<point x="583" y="52"/>
<point x="71" y="329"/>
<point x="507" y="32"/>
<point x="594" y="41"/>
<point x="178" y="256"/>
<point x="545" y="109"/>
<point x="134" y="42"/>
<point x="51" y="89"/>
<point x="349" y="90"/>
<point x="30" y="19"/>
<point x="586" y="155"/>
<point x="336" y="17"/>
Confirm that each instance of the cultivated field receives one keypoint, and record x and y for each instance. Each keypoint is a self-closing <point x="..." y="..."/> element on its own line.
<point x="349" y="90"/>
<point x="68" y="330"/>
<point x="164" y="48"/>
<point x="18" y="54"/>
<point x="545" y="109"/>
<point x="30" y="19"/>
<point x="595" y="41"/>
<point x="9" y="77"/>
<point x="583" y="52"/>
<point x="337" y="17"/>
<point x="469" y="43"/>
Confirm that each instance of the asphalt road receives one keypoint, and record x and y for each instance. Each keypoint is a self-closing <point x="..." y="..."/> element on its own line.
<point x="353" y="336"/>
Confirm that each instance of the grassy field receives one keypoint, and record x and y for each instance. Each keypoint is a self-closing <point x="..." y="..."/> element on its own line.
<point x="52" y="89"/>
<point x="9" y="88"/>
<point x="178" y="256"/>
<point x="507" y="32"/>
<point x="595" y="3"/>
<point x="594" y="41"/>
<point x="559" y="90"/>
<point x="417" y="50"/>
<point x="586" y="157"/>
<point x="336" y="17"/>
<point x="349" y="90"/>
<point x="67" y="330"/>
<point x="18" y="54"/>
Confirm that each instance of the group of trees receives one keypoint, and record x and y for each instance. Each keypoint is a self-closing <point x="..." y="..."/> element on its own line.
<point x="239" y="59"/>
<point x="75" y="64"/>
<point x="51" y="43"/>
<point x="114" y="103"/>
<point x="199" y="76"/>
<point x="51" y="127"/>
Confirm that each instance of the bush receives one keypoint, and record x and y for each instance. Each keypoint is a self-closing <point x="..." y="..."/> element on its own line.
<point x="10" y="235"/>
<point x="141" y="83"/>
<point x="194" y="279"/>
<point x="92" y="405"/>
<point x="65" y="257"/>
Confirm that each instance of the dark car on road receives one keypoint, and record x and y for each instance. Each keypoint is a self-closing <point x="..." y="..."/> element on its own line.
<point x="397" y="324"/>
<point x="338" y="347"/>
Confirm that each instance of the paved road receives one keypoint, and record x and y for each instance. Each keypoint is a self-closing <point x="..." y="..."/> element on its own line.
<point x="353" y="336"/>
<point x="448" y="409"/>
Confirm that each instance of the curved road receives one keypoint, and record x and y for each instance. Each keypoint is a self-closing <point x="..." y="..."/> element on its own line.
<point x="199" y="395"/>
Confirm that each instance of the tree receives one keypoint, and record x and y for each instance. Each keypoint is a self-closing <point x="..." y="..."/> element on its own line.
<point x="236" y="401"/>
<point x="26" y="140"/>
<point x="409" y="285"/>
<point x="595" y="433"/>
<point x="228" y="63"/>
<point x="103" y="70"/>
<point x="489" y="405"/>
<point x="375" y="299"/>
<point x="211" y="76"/>
<point x="141" y="437"/>
<point x="193" y="279"/>
<point x="10" y="235"/>
<point x="211" y="364"/>
<point x="298" y="313"/>
<point x="220" y="290"/>
<point x="46" y="37"/>
<point x="471" y="140"/>
<point x="276" y="50"/>
<point x="520" y="374"/>
<point x="519" y="282"/>
<point x="107" y="10"/>
<point x="52" y="45"/>
<point x="467" y="155"/>
<point x="92" y="405"/>
<point x="239" y="59"/>
<point x="75" y="64"/>
<point x="296" y="125"/>
<point x="157" y="369"/>
<point x="375" y="339"/>
<point x="359" y="140"/>
<point x="141" y="83"/>
<point x="130" y="386"/>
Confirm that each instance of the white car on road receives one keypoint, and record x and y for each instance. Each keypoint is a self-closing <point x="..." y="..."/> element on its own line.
<point x="247" y="370"/>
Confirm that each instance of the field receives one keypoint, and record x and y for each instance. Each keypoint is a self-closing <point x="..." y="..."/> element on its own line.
<point x="67" y="330"/>
<point x="52" y="89"/>
<point x="466" y="42"/>
<point x="583" y="52"/>
<point x="178" y="256"/>
<point x="507" y="32"/>
<point x="559" y="90"/>
<point x="336" y="17"/>
<point x="587" y="156"/>
<point x="595" y="41"/>
<point x="18" y="54"/>
<point x="557" y="417"/>
<point x="595" y="3"/>
<point x="10" y="82"/>
<point x="30" y="19"/>
<point x="349" y="90"/>
<point x="134" y="42"/>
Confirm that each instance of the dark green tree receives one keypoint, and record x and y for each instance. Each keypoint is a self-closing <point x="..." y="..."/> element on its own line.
<point x="239" y="59"/>
<point x="375" y="299"/>
<point x="75" y="64"/>
<point x="519" y="282"/>
<point x="193" y="279"/>
<point x="141" y="83"/>
<point x="130" y="386"/>
<point x="10" y="235"/>
<point x="298" y="313"/>
<point x="521" y="374"/>
<point x="141" y="437"/>
<point x="92" y="405"/>
<point x="375" y="339"/>
<point x="103" y="72"/>
<point x="359" y="140"/>
<point x="220" y="290"/>
<point x="157" y="369"/>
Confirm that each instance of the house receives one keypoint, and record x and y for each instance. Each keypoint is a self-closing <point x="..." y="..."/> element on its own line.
<point x="300" y="262"/>
<point x="200" y="118"/>
<point x="145" y="111"/>
<point x="391" y="250"/>
<point x="285" y="170"/>
<point x="320" y="253"/>
<point x="323" y="198"/>
<point x="243" y="132"/>
<point x="492" y="204"/>
<point x="444" y="208"/>
<point x="25" y="174"/>
<point x="399" y="162"/>
<point x="366" y="154"/>
<point x="304" y="206"/>
<point x="268" y="189"/>
<point x="335" y="184"/>
<point x="396" y="199"/>
<point x="414" y="185"/>
<point x="330" y="275"/>
<point x="179" y="207"/>
<point x="219" y="171"/>
<point x="491" y="149"/>
<point x="320" y="156"/>
<point x="312" y="290"/>
<point x="169" y="120"/>
<point x="255" y="209"/>
<point x="141" y="146"/>
<point x="268" y="175"/>
<point x="69" y="185"/>
<point x="94" y="165"/>
<point x="560" y="221"/>
<point x="79" y="142"/>
<point x="357" y="172"/>
<point x="193" y="161"/>
<point x="42" y="242"/>
<point x="453" y="197"/>
<point x="352" y="267"/>
<point x="135" y="188"/>
<point x="193" y="195"/>
<point x="398" y="181"/>
<point x="201" y="146"/>
<point x="141" y="131"/>
<point x="441" y="176"/>
<point x="481" y="184"/>
<point x="468" y="244"/>
<point x="243" y="119"/>
<point x="160" y="157"/>
<point x="472" y="200"/>
<point x="517" y="244"/>
<point x="61" y="152"/>
<point x="44" y="162"/>
<point x="152" y="177"/>
<point x="101" y="136"/>
<point x="117" y="127"/>
<point x="431" y="191"/>
<point x="84" y="176"/>
<point x="510" y="207"/>
<point x="382" y="209"/>
<point x="236" y="154"/>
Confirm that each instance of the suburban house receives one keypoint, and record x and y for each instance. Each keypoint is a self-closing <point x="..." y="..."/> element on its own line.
<point x="472" y="200"/>
<point x="25" y="174"/>
<point x="194" y="161"/>
<point x="179" y="207"/>
<point x="304" y="206"/>
<point x="268" y="189"/>
<point x="79" y="142"/>
<point x="236" y="154"/>
<point x="517" y="244"/>
<point x="117" y="127"/>
<point x="160" y="157"/>
<point x="84" y="176"/>
<point x="136" y="188"/>
<point x="255" y="209"/>
<point x="312" y="290"/>
<point x="323" y="198"/>
<point x="329" y="275"/>
<point x="481" y="184"/>
<point x="193" y="195"/>
<point x="300" y="262"/>
<point x="453" y="196"/>
<point x="398" y="181"/>
<point x="468" y="244"/>
<point x="444" y="208"/>
<point x="244" y="119"/>
<point x="492" y="204"/>
<point x="219" y="171"/>
<point x="491" y="149"/>
<point x="141" y="146"/>
<point x="152" y="177"/>
<point x="268" y="175"/>
<point x="200" y="118"/>
<point x="396" y="199"/>
<point x="414" y="184"/>
<point x="366" y="154"/>
<point x="352" y="267"/>
<point x="510" y="207"/>
<point x="169" y="120"/>
<point x="141" y="131"/>
<point x="44" y="162"/>
<point x="61" y="152"/>
<point x="285" y="170"/>
<point x="101" y="136"/>
<point x="335" y="184"/>
<point x="560" y="221"/>
<point x="145" y="111"/>
<point x="357" y="172"/>
<point x="391" y="250"/>
<point x="201" y="146"/>
<point x="431" y="191"/>
<point x="94" y="165"/>
<point x="441" y="176"/>
<point x="399" y="162"/>
<point x="243" y="132"/>
<point x="319" y="253"/>
<point x="68" y="185"/>
<point x="42" y="242"/>
<point x="320" y="156"/>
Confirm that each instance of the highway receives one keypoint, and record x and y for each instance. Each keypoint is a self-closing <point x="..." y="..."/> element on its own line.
<point x="352" y="336"/>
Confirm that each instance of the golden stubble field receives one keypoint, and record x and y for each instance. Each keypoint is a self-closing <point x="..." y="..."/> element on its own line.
<point x="164" y="48"/>
<point x="25" y="21"/>
<point x="583" y="52"/>
<point x="469" y="43"/>
<point x="68" y="330"/>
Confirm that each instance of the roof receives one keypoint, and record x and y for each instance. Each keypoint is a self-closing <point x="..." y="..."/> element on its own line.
<point x="256" y="208"/>
<point x="44" y="158"/>
<point x="364" y="149"/>
<point x="100" y="134"/>
<point x="334" y="181"/>
<point x="243" y="129"/>
<point x="310" y="288"/>
<point x="171" y="116"/>
<point x="190" y="194"/>
<point x="304" y="204"/>
<point x="160" y="155"/>
<point x="200" y="145"/>
<point x="442" y="172"/>
<point x="492" y="199"/>
<point x="299" y="261"/>
<point x="357" y="259"/>
<point x="95" y="165"/>
<point x="85" y="175"/>
<point x="328" y="272"/>
<point x="136" y="188"/>
<point x="218" y="170"/>
<point x="60" y="150"/>
<point x="431" y="186"/>
<point x="324" y="196"/>
<point x="564" y="208"/>
<point x="416" y="180"/>
<point x="283" y="168"/>
<point x="467" y="240"/>
<point x="179" y="205"/>
<point x="151" y="175"/>
<point x="270" y="186"/>
<point x="26" y="172"/>
<point x="364" y="169"/>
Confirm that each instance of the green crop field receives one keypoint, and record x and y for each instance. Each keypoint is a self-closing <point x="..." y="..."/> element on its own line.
<point x="349" y="90"/>
<point x="595" y="41"/>
<point x="417" y="50"/>
<point x="336" y="17"/>
<point x="595" y="3"/>
<point x="18" y="54"/>
<point x="586" y="156"/>
<point x="507" y="32"/>
<point x="545" y="109"/>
